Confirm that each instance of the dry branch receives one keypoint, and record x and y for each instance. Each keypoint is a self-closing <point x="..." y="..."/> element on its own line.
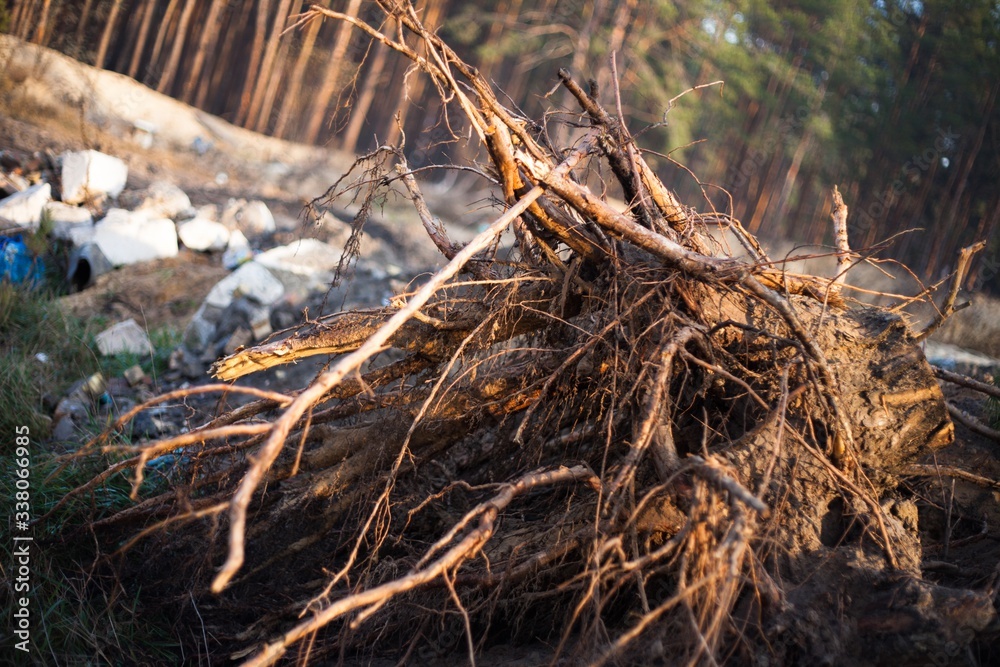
<point x="949" y="308"/>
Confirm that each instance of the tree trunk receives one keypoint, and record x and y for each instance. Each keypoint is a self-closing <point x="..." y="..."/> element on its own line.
<point x="359" y="112"/>
<point x="414" y="95"/>
<point x="295" y="83"/>
<point x="275" y="79"/>
<point x="27" y="19"/>
<point x="623" y="19"/>
<point x="21" y="18"/>
<point x="81" y="27"/>
<point x="43" y="22"/>
<point x="109" y="29"/>
<point x="170" y="71"/>
<point x="260" y="86"/>
<point x="210" y="31"/>
<point x="140" y="42"/>
<point x="161" y="34"/>
<point x="970" y="157"/>
<point x="127" y="37"/>
<point x="332" y="75"/>
<point x="255" y="54"/>
<point x="595" y="13"/>
<point x="222" y="81"/>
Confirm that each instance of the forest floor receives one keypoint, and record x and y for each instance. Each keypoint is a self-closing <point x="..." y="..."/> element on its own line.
<point x="959" y="521"/>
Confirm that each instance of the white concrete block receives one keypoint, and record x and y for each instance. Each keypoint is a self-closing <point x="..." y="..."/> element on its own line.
<point x="69" y="222"/>
<point x="252" y="281"/>
<point x="201" y="234"/>
<point x="301" y="266"/>
<point x="88" y="174"/>
<point x="128" y="238"/>
<point x="25" y="208"/>
<point x="124" y="337"/>
<point x="165" y="200"/>
<point x="252" y="218"/>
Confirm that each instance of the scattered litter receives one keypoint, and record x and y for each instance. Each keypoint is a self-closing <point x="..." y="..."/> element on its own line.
<point x="134" y="375"/>
<point x="18" y="265"/>
<point x="237" y="252"/>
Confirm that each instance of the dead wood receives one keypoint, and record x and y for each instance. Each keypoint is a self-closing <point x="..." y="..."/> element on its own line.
<point x="739" y="430"/>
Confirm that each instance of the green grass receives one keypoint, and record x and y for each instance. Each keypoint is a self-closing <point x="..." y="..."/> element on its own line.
<point x="80" y="613"/>
<point x="43" y="352"/>
<point x="993" y="407"/>
<point x="164" y="341"/>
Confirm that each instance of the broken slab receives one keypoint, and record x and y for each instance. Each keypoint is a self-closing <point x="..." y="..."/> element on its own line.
<point x="302" y="266"/>
<point x="163" y="199"/>
<point x="25" y="208"/>
<point x="88" y="175"/>
<point x="242" y="298"/>
<point x="69" y="223"/>
<point x="251" y="280"/>
<point x="123" y="338"/>
<point x="202" y="235"/>
<point x="252" y="218"/>
<point x="127" y="237"/>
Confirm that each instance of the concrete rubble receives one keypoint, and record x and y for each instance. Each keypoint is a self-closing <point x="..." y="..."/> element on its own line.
<point x="90" y="175"/>
<point x="302" y="266"/>
<point x="69" y="223"/>
<point x="242" y="299"/>
<point x="252" y="218"/>
<point x="165" y="200"/>
<point x="25" y="208"/>
<point x="124" y="338"/>
<point x="267" y="289"/>
<point x="202" y="234"/>
<point x="128" y="237"/>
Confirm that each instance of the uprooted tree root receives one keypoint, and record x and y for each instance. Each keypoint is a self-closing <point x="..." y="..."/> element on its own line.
<point x="620" y="440"/>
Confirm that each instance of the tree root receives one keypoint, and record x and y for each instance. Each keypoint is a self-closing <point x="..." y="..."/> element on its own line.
<point x="737" y="429"/>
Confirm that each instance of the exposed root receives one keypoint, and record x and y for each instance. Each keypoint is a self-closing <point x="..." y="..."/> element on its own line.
<point x="738" y="429"/>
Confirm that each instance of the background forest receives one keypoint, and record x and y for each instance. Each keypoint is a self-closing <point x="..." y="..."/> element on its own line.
<point x="894" y="101"/>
